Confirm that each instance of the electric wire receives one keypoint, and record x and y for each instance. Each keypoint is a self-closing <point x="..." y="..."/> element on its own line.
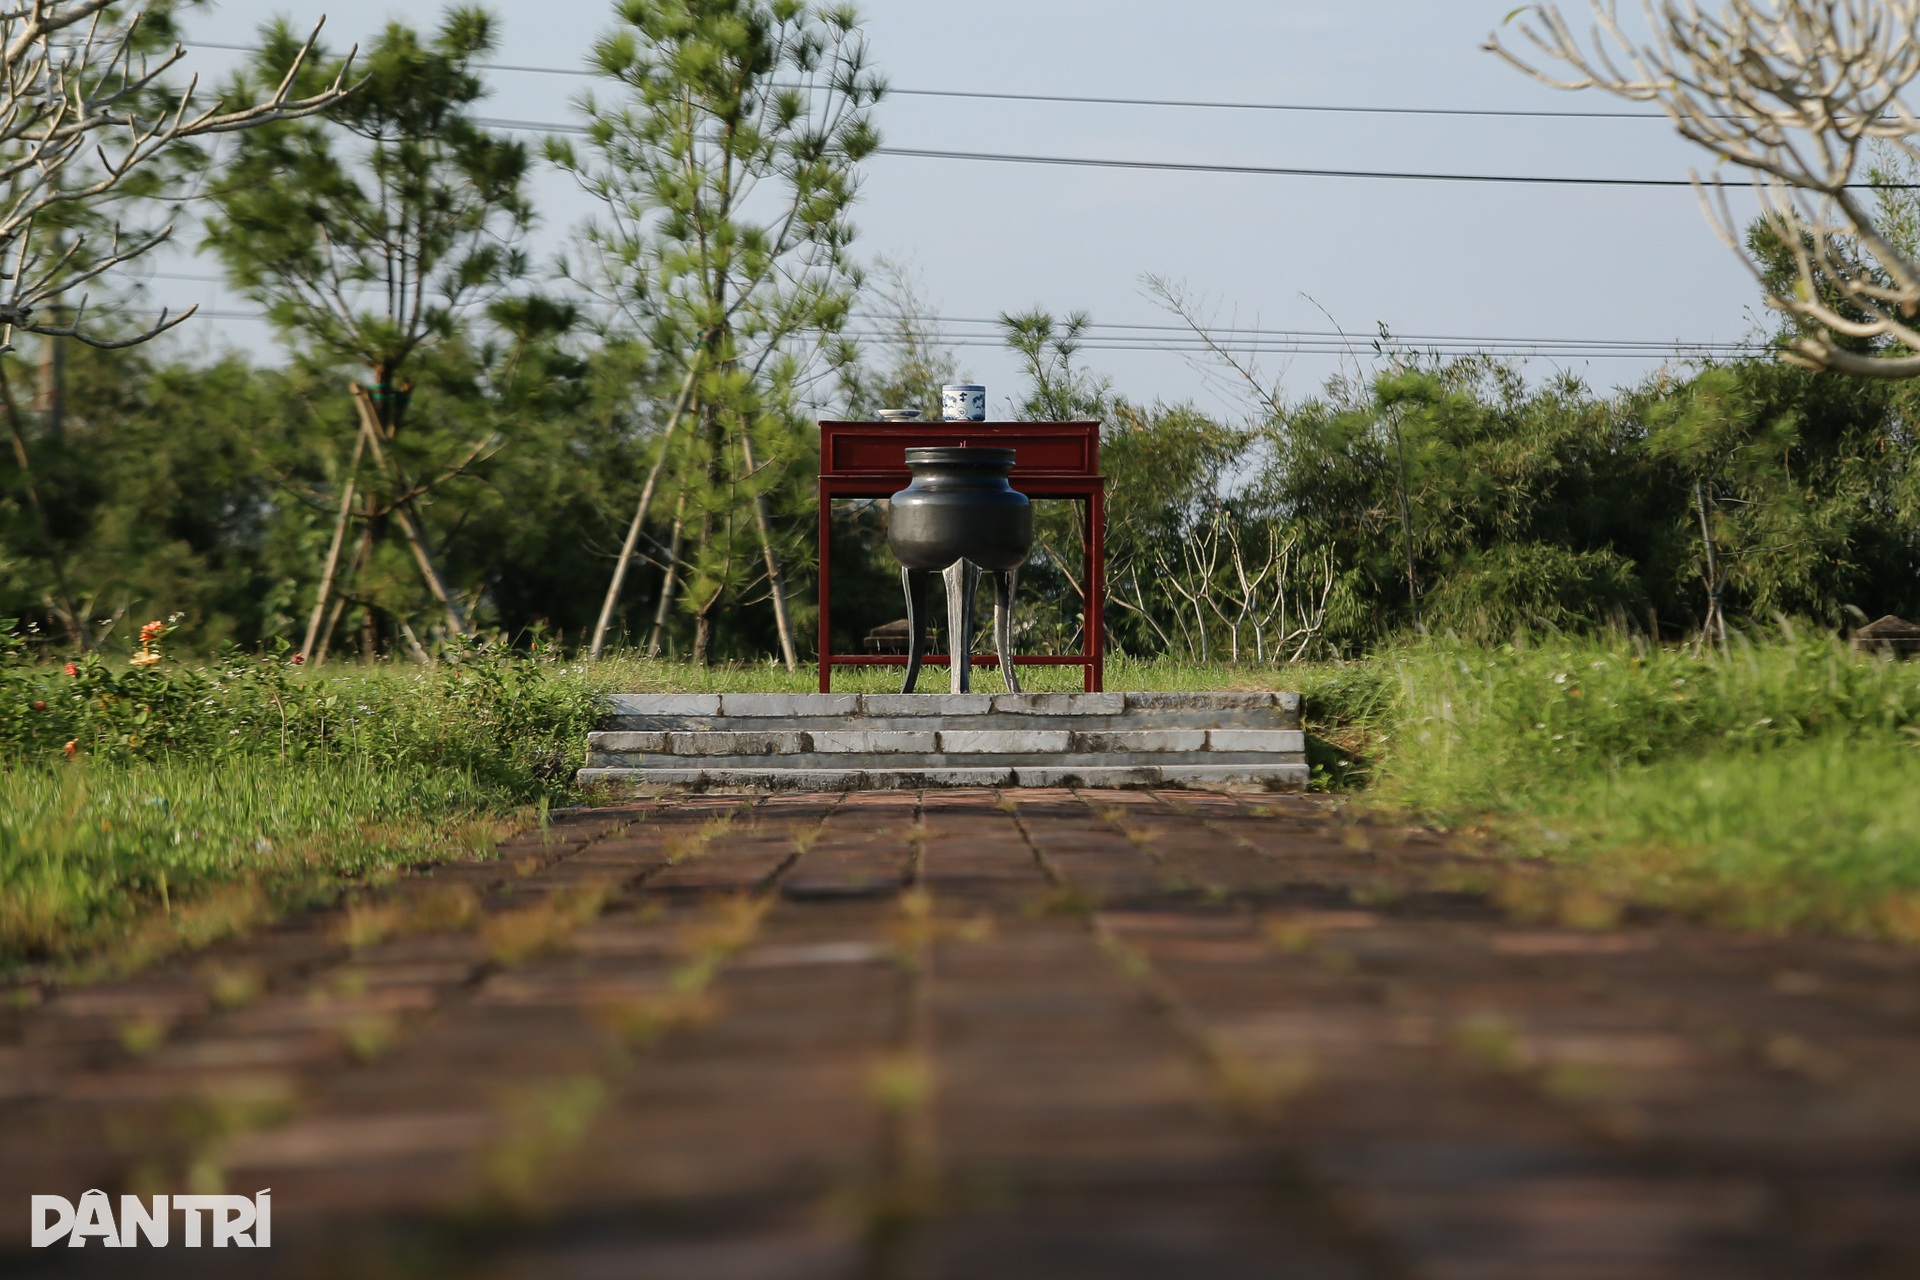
<point x="1113" y="101"/>
<point x="1200" y="166"/>
<point x="1188" y="166"/>
<point x="989" y="331"/>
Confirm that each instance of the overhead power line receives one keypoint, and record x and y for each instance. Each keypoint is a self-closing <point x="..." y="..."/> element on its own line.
<point x="1304" y="344"/>
<point x="1492" y="113"/>
<point x="987" y="330"/>
<point x="1197" y="166"/>
<point x="1256" y="170"/>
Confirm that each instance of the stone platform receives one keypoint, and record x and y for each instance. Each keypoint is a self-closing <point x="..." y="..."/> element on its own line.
<point x="883" y="742"/>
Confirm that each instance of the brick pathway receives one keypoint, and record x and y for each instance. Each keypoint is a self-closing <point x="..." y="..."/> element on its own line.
<point x="967" y="1035"/>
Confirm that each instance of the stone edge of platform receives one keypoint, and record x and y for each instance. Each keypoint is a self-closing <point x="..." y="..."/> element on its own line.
<point x="941" y="704"/>
<point x="1279" y="776"/>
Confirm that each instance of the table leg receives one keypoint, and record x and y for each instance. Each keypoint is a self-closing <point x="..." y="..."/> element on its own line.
<point x="826" y="588"/>
<point x="1003" y="584"/>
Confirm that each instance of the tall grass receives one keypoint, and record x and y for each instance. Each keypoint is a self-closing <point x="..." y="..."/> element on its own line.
<point x="141" y="856"/>
<point x="1772" y="785"/>
<point x="143" y="807"/>
<point x="1495" y="727"/>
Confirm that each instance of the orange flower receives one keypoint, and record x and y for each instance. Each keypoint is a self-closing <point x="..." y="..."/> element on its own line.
<point x="144" y="658"/>
<point x="73" y="745"/>
<point x="39" y="706"/>
<point x="152" y="631"/>
<point x="298" y="659"/>
<point x="72" y="670"/>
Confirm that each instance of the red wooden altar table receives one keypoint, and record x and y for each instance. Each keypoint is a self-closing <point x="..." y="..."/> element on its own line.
<point x="1051" y="460"/>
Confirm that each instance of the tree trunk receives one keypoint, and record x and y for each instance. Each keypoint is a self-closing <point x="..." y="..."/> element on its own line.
<point x="703" y="628"/>
<point x="608" y="605"/>
<point x="373" y="631"/>
<point x="703" y="616"/>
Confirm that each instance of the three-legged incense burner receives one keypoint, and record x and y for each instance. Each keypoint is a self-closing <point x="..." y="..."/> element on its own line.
<point x="960" y="518"/>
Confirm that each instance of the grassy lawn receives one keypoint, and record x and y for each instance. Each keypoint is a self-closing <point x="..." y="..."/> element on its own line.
<point x="121" y="862"/>
<point x="142" y="810"/>
<point x="1771" y="787"/>
<point x="145" y="810"/>
<point x="640" y="675"/>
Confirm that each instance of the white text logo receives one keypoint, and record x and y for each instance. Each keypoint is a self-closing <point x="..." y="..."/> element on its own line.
<point x="244" y="1221"/>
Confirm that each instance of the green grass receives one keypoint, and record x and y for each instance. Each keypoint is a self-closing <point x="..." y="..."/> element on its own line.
<point x="135" y="859"/>
<point x="1769" y="787"/>
<point x="1776" y="786"/>
<point x="1822" y="834"/>
<point x="624" y="674"/>
<point x="146" y="809"/>
<point x="143" y="809"/>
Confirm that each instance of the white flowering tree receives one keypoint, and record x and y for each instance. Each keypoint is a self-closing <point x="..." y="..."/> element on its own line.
<point x="1800" y="94"/>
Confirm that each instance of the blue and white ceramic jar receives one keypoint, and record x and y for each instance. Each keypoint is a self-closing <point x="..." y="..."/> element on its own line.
<point x="963" y="402"/>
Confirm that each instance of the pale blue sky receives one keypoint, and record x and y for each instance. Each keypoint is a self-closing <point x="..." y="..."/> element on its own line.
<point x="1425" y="258"/>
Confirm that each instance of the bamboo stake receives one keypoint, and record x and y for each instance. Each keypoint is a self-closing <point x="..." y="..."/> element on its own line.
<point x="775" y="587"/>
<point x="1716" y="619"/>
<point x="672" y="579"/>
<point x="640" y="515"/>
<point x="403" y="514"/>
<point x="361" y="552"/>
<point x="333" y="550"/>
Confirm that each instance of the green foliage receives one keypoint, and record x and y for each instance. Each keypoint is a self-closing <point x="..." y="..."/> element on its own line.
<point x="1514" y="506"/>
<point x="367" y="232"/>
<point x="1808" y="484"/>
<point x="384" y="236"/>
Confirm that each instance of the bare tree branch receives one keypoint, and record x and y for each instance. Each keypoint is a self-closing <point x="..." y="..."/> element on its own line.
<point x="1793" y="91"/>
<point x="82" y="108"/>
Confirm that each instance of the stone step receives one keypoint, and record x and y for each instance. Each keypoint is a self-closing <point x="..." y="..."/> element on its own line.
<point x="944" y="742"/>
<point x="1229" y="777"/>
<point x="743" y="712"/>
<point x="946" y="760"/>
